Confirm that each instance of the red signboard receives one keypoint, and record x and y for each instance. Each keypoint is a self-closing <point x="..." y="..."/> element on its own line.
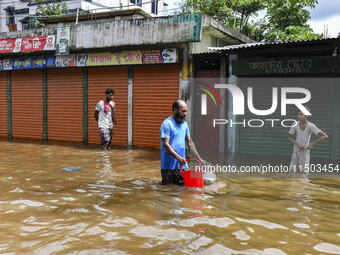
<point x="38" y="43"/>
<point x="159" y="56"/>
<point x="10" y="45"/>
<point x="152" y="56"/>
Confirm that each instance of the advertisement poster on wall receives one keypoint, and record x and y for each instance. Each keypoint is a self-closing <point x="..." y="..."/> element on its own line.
<point x="81" y="59"/>
<point x="63" y="40"/>
<point x="38" y="43"/>
<point x="10" y="45"/>
<point x="28" y="63"/>
<point x="7" y="64"/>
<point x="159" y="56"/>
<point x="66" y="60"/>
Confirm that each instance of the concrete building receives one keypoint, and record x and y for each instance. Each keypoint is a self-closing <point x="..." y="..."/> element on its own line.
<point x="148" y="61"/>
<point x="15" y="15"/>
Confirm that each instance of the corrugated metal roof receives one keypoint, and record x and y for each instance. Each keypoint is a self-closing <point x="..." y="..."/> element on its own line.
<point x="208" y="53"/>
<point x="264" y="44"/>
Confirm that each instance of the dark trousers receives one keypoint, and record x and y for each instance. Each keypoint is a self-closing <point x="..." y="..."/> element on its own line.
<point x="172" y="177"/>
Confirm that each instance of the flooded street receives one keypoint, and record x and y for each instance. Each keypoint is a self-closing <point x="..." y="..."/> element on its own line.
<point x="114" y="205"/>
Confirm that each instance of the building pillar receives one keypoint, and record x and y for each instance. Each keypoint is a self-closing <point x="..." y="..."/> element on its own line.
<point x="222" y="128"/>
<point x="45" y="105"/>
<point x="9" y="105"/>
<point x="130" y="104"/>
<point x="231" y="131"/>
<point x="85" y="106"/>
<point x="335" y="143"/>
<point x="185" y="83"/>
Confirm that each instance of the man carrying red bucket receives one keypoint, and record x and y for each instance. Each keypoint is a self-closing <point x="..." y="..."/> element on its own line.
<point x="174" y="134"/>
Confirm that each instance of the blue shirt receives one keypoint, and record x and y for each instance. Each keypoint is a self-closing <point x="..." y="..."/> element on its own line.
<point x="176" y="133"/>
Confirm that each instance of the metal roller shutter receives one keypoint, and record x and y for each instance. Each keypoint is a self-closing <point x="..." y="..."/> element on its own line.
<point x="99" y="79"/>
<point x="65" y="104"/>
<point x="206" y="137"/>
<point x="27" y="104"/>
<point x="3" y="105"/>
<point x="274" y="141"/>
<point x="155" y="88"/>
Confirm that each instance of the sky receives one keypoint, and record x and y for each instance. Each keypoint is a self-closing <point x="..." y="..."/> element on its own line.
<point x="326" y="13"/>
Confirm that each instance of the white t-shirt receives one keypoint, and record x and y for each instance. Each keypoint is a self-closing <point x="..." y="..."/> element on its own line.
<point x="105" y="115"/>
<point x="303" y="136"/>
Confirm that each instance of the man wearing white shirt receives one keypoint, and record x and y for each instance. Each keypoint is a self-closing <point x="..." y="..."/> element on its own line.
<point x="105" y="116"/>
<point x="302" y="146"/>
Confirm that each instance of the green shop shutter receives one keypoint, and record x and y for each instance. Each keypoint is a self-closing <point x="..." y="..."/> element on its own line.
<point x="27" y="104"/>
<point x="274" y="141"/>
<point x="3" y="105"/>
<point x="65" y="104"/>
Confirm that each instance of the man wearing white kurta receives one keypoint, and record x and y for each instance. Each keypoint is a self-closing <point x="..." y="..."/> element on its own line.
<point x="302" y="146"/>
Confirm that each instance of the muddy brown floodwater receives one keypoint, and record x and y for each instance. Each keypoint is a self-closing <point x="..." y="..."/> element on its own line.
<point x="114" y="205"/>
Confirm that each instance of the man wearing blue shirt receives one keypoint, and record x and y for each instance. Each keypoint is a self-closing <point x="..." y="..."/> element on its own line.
<point x="174" y="135"/>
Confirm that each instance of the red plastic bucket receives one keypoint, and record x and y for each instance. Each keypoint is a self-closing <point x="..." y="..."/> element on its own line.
<point x="192" y="177"/>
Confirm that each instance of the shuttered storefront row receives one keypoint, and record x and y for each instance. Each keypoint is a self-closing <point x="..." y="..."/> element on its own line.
<point x="27" y="104"/>
<point x="274" y="141"/>
<point x="99" y="79"/>
<point x="3" y="105"/>
<point x="65" y="104"/>
<point x="155" y="88"/>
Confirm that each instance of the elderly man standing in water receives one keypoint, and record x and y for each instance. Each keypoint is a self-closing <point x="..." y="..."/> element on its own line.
<point x="174" y="135"/>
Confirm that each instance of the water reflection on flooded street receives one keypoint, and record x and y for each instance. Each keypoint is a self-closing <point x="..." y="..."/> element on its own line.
<point x="114" y="205"/>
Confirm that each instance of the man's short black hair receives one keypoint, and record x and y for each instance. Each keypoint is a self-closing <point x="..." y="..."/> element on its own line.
<point x="109" y="91"/>
<point x="175" y="105"/>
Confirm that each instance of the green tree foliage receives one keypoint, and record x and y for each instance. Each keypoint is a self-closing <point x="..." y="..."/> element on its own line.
<point x="57" y="7"/>
<point x="215" y="8"/>
<point x="285" y="19"/>
<point x="242" y="11"/>
<point x="234" y="13"/>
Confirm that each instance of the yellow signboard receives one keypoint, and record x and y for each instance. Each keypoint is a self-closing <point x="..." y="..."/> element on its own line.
<point x="114" y="58"/>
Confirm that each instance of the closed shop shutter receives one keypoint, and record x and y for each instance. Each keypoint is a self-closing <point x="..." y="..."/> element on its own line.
<point x="274" y="141"/>
<point x="155" y="88"/>
<point x="99" y="79"/>
<point x="65" y="104"/>
<point x="27" y="104"/>
<point x="206" y="136"/>
<point x="3" y="105"/>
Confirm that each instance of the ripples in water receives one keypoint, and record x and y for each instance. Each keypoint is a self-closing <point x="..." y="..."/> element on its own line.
<point x="114" y="205"/>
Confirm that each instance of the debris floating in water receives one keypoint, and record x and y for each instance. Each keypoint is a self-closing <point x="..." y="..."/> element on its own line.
<point x="70" y="169"/>
<point x="209" y="177"/>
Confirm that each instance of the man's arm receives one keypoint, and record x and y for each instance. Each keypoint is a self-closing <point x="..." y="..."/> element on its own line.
<point x="113" y="115"/>
<point x="290" y="138"/>
<point x="192" y="147"/>
<point x="172" y="152"/>
<point x="96" y="114"/>
<point x="322" y="138"/>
